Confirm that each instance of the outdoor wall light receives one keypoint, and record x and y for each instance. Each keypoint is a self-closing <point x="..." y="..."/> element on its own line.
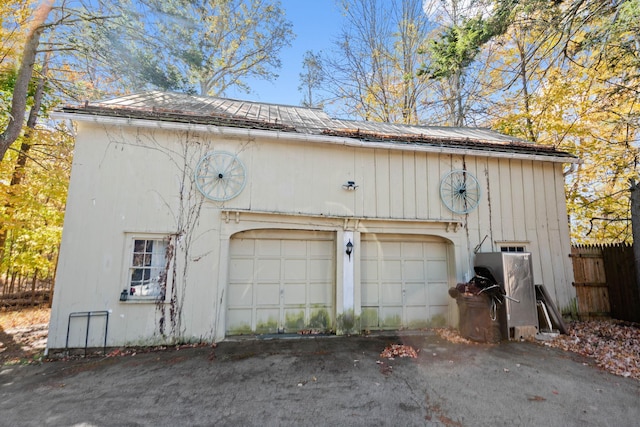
<point x="123" y="295"/>
<point x="349" y="250"/>
<point x="350" y="185"/>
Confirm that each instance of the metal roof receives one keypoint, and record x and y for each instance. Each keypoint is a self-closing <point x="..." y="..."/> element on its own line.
<point x="178" y="107"/>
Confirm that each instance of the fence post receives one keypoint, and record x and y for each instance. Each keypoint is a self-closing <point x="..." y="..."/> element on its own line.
<point x="635" y="228"/>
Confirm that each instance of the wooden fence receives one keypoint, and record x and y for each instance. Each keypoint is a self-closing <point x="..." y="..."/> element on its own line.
<point x="605" y="282"/>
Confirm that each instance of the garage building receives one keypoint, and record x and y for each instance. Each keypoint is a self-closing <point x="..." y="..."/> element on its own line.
<point x="193" y="219"/>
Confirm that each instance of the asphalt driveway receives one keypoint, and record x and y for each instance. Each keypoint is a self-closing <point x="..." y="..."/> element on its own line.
<point x="322" y="381"/>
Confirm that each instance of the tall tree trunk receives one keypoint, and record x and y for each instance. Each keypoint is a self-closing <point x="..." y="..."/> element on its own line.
<point x="526" y="97"/>
<point x="635" y="228"/>
<point x="18" y="171"/>
<point x="19" y="100"/>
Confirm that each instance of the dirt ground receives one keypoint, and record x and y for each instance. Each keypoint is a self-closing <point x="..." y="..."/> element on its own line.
<point x="23" y="335"/>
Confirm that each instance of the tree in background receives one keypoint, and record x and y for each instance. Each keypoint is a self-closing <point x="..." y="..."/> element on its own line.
<point x="15" y="117"/>
<point x="459" y="56"/>
<point x="371" y="74"/>
<point x="50" y="53"/>
<point x="198" y="46"/>
<point x="571" y="79"/>
<point x="311" y="79"/>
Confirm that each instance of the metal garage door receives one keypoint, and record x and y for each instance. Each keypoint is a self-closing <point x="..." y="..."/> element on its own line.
<point x="404" y="282"/>
<point x="281" y="281"/>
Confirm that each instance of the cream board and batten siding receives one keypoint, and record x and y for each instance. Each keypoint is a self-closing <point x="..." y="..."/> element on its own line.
<point x="293" y="182"/>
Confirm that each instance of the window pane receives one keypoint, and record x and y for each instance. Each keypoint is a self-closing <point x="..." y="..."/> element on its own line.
<point x="138" y="260"/>
<point x="138" y="246"/>
<point x="512" y="249"/>
<point x="147" y="266"/>
<point x="158" y="260"/>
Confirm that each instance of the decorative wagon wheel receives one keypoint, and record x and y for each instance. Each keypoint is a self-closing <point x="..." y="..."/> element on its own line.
<point x="220" y="176"/>
<point x="460" y="191"/>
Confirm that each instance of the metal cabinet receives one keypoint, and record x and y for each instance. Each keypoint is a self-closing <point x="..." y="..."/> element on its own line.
<point x="514" y="273"/>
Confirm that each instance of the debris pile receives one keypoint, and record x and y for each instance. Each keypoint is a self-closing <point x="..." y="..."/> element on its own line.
<point x="452" y="335"/>
<point x="398" y="350"/>
<point x="615" y="345"/>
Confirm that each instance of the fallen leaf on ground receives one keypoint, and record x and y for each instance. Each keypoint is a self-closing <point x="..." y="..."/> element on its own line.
<point x="614" y="344"/>
<point x="399" y="350"/>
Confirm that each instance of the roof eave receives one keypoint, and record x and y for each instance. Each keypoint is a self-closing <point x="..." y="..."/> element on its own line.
<point x="306" y="137"/>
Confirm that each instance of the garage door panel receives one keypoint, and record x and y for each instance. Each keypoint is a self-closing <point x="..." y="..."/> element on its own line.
<point x="280" y="280"/>
<point x="267" y="294"/>
<point x="369" y="250"/>
<point x="416" y="294"/>
<point x="437" y="270"/>
<point x="390" y="249"/>
<point x="267" y="320"/>
<point x="402" y="280"/>
<point x="295" y="270"/>
<point x="267" y="270"/>
<point x="320" y="294"/>
<point x="369" y="318"/>
<point x="369" y="270"/>
<point x="412" y="250"/>
<point x="294" y="248"/>
<point x="294" y="319"/>
<point x="294" y="294"/>
<point x="434" y="249"/>
<point x="391" y="317"/>
<point x="370" y="294"/>
<point x="244" y="247"/>
<point x="390" y="270"/>
<point x="438" y="315"/>
<point x="438" y="293"/>
<point x="320" y="248"/>
<point x="391" y="293"/>
<point x="413" y="270"/>
<point x="239" y="320"/>
<point x="241" y="270"/>
<point x="241" y="294"/>
<point x="416" y="317"/>
<point x="320" y="270"/>
<point x="267" y="247"/>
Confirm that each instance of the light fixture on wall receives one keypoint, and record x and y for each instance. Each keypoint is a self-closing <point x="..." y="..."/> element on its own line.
<point x="349" y="250"/>
<point x="123" y="295"/>
<point x="350" y="185"/>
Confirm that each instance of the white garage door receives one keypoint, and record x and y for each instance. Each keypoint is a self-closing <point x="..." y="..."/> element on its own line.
<point x="281" y="281"/>
<point x="404" y="282"/>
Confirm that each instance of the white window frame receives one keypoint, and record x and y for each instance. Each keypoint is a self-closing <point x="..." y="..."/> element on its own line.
<point x="513" y="247"/>
<point x="145" y="266"/>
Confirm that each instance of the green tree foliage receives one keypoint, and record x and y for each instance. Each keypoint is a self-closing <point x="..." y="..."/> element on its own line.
<point x="32" y="212"/>
<point x="203" y="46"/>
<point x="455" y="64"/>
<point x="33" y="185"/>
<point x="80" y="49"/>
<point x="459" y="43"/>
<point x="575" y="87"/>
